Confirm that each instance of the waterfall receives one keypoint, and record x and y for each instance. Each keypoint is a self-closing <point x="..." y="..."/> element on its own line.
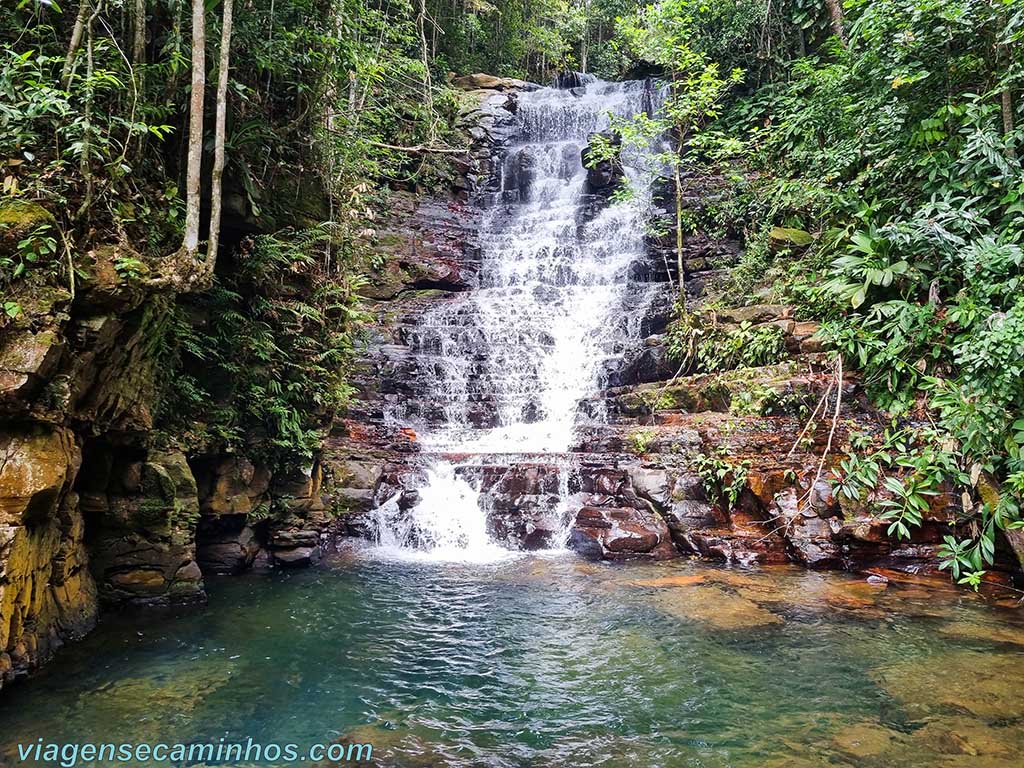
<point x="509" y="363"/>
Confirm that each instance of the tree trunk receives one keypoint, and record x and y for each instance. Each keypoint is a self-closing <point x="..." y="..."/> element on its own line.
<point x="836" y="21"/>
<point x="195" y="128"/>
<point x="85" y="160"/>
<point x="139" y="38"/>
<point x="583" y="41"/>
<point x="218" y="135"/>
<point x="1006" y="103"/>
<point x="1008" y="126"/>
<point x="76" y="41"/>
<point x="680" y="268"/>
<point x="428" y="95"/>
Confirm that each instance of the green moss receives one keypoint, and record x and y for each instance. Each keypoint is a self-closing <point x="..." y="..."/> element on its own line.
<point x="19" y="216"/>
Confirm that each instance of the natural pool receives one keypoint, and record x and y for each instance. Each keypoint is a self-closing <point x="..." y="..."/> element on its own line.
<point x="537" y="662"/>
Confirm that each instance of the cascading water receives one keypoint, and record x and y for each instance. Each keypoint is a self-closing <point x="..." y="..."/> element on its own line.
<point x="510" y="362"/>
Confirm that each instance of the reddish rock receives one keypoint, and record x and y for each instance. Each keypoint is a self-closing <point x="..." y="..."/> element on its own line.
<point x="621" y="533"/>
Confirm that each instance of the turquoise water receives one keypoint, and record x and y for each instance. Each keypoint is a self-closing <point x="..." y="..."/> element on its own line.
<point x="553" y="662"/>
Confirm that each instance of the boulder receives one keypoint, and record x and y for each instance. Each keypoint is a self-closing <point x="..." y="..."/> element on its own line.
<point x="620" y="533"/>
<point x="481" y="81"/>
<point x="226" y="548"/>
<point x="296" y="557"/>
<point x="571" y="81"/>
<point x="651" y="484"/>
<point x="28" y="359"/>
<point x="230" y="485"/>
<point x="604" y="175"/>
<point x="143" y="511"/>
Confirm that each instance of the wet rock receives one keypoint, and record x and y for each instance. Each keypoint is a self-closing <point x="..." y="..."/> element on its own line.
<point x="226" y="546"/>
<point x="715" y="607"/>
<point x="965" y="736"/>
<point x="480" y="80"/>
<point x="296" y="557"/>
<point x="230" y="485"/>
<point x="985" y="685"/>
<point x="822" y="501"/>
<point x="288" y="539"/>
<point x="865" y="740"/>
<point x="567" y="81"/>
<point x="986" y="633"/>
<point x="650" y="364"/>
<point x="106" y="292"/>
<point x="651" y="484"/>
<point x="618" y="533"/>
<point x="677" y="580"/>
<point x="144" y="515"/>
<point x="603" y="175"/>
<point x="28" y="359"/>
<point x="47" y="594"/>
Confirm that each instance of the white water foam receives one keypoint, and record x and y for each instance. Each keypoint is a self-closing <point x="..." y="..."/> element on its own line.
<point x="512" y="360"/>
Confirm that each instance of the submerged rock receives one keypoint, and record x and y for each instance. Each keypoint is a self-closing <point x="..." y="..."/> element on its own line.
<point x="865" y="740"/>
<point x="981" y="684"/>
<point x="714" y="606"/>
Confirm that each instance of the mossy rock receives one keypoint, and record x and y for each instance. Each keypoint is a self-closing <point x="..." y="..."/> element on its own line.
<point x="20" y="217"/>
<point x="789" y="237"/>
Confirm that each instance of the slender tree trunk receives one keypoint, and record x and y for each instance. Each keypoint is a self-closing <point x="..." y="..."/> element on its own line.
<point x="1006" y="103"/>
<point x="428" y="95"/>
<point x="680" y="267"/>
<point x="1008" y="126"/>
<point x="172" y="79"/>
<point x="836" y="20"/>
<point x="85" y="159"/>
<point x="218" y="135"/>
<point x="139" y="37"/>
<point x="138" y="65"/>
<point x="195" y="128"/>
<point x="583" y="42"/>
<point x="76" y="41"/>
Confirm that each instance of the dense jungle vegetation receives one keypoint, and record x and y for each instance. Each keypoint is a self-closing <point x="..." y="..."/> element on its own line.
<point x="239" y="156"/>
<point x="874" y="154"/>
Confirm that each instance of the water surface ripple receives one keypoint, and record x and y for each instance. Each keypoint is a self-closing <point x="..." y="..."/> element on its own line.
<point x="540" y="662"/>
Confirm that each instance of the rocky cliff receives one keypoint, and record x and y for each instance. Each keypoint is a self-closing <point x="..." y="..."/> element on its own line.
<point x="98" y="506"/>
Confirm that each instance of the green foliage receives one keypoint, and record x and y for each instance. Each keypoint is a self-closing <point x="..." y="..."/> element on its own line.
<point x="324" y="99"/>
<point x="269" y="365"/>
<point x="912" y="465"/>
<point x="723" y="480"/>
<point x="37" y="247"/>
<point x="893" y="151"/>
<point x="709" y="347"/>
<point x="642" y="440"/>
<point x="663" y="34"/>
<point x="531" y="40"/>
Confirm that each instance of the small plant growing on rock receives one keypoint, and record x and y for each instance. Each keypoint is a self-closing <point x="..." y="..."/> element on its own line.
<point x="656" y="400"/>
<point x="39" y="245"/>
<point x="710" y="347"/>
<point x="723" y="481"/>
<point x="642" y="440"/>
<point x="129" y="268"/>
